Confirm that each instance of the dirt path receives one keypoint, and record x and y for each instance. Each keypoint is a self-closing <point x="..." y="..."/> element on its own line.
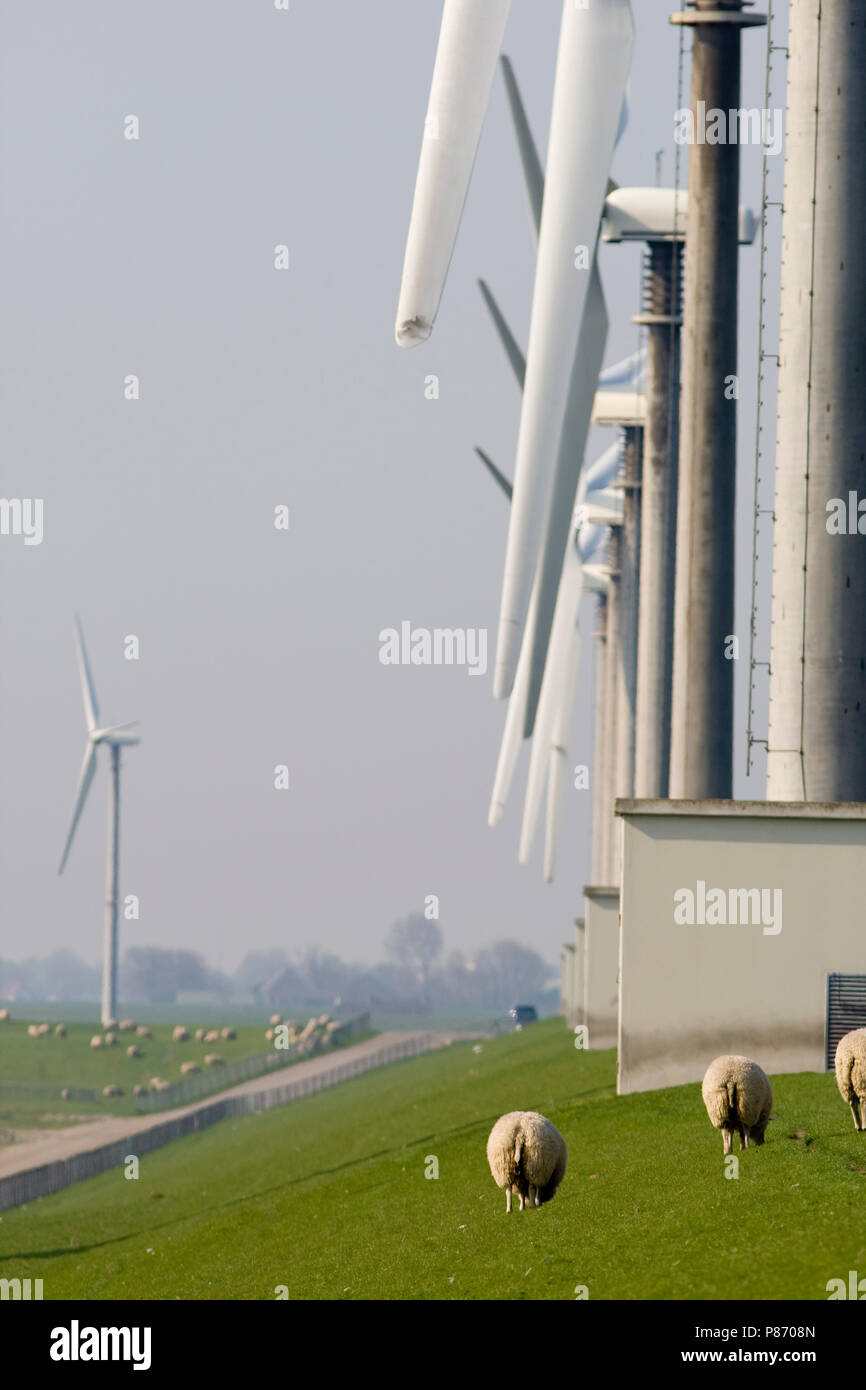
<point x="37" y="1148"/>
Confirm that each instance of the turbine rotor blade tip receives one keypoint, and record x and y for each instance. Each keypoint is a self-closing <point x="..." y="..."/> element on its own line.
<point x="412" y="332"/>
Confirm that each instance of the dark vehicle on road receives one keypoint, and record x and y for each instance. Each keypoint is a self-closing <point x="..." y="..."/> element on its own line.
<point x="523" y="1013"/>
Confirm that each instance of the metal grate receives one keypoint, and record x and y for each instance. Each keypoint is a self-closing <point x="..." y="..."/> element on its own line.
<point x="846" y="1009"/>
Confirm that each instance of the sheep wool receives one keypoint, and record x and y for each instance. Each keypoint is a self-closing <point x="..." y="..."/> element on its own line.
<point x="527" y="1155"/>
<point x="851" y="1074"/>
<point x="738" y="1097"/>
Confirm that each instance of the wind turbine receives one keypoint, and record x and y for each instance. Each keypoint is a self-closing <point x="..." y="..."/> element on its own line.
<point x="114" y="737"/>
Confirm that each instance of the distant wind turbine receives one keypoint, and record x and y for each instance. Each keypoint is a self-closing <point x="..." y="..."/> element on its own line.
<point x="115" y="737"/>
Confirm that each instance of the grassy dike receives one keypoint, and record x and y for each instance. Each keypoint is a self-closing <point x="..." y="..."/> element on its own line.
<point x="328" y="1196"/>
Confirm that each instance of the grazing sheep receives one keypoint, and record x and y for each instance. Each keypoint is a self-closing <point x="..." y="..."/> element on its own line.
<point x="199" y="1034"/>
<point x="189" y="1068"/>
<point x="162" y="1085"/>
<point x="274" y="1020"/>
<point x="212" y="1035"/>
<point x="32" y="1030"/>
<point x="66" y="1093"/>
<point x="112" y="1024"/>
<point x="139" y="1090"/>
<point x="96" y="1041"/>
<point x="143" y="1032"/>
<point x="851" y="1074"/>
<point x="60" y="1030"/>
<point x="155" y="1083"/>
<point x="132" y="1051"/>
<point x="111" y="1092"/>
<point x="527" y="1155"/>
<point x="212" y="1060"/>
<point x="127" y="1025"/>
<point x="269" y="1034"/>
<point x="44" y="1029"/>
<point x="111" y="1039"/>
<point x="180" y="1034"/>
<point x="4" y="1015"/>
<point x="738" y="1098"/>
<point x="229" y="1034"/>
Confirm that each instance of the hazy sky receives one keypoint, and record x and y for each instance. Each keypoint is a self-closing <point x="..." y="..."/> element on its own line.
<point x="258" y="388"/>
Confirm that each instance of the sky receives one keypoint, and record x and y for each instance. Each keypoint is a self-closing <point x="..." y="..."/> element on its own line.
<point x="262" y="388"/>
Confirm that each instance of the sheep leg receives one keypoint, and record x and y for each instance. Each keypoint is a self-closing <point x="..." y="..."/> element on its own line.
<point x="744" y="1136"/>
<point x="532" y="1202"/>
<point x="854" y="1112"/>
<point x="507" y="1200"/>
<point x="863" y="1114"/>
<point x="727" y="1139"/>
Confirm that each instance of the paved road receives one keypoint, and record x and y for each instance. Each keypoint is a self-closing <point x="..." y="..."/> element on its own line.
<point x="54" y="1145"/>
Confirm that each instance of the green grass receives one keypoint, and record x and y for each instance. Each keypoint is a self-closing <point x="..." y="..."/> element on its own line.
<point x="328" y="1195"/>
<point x="71" y="1061"/>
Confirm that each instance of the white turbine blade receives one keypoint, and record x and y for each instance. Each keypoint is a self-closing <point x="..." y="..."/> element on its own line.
<point x="592" y="66"/>
<point x="85" y="777"/>
<point x="533" y="174"/>
<point x="572" y="446"/>
<point x="599" y="474"/>
<point x="554" y="689"/>
<point x="469" y="42"/>
<point x="507" y="338"/>
<point x="512" y="734"/>
<point x="557" y="773"/>
<point x="494" y="472"/>
<point x="88" y="694"/>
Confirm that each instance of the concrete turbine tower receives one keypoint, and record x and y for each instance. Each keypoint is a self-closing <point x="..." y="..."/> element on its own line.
<point x="114" y="738"/>
<point x="702" y="703"/>
<point x="816" y="746"/>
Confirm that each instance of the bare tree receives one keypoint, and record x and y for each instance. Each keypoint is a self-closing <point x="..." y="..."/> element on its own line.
<point x="415" y="944"/>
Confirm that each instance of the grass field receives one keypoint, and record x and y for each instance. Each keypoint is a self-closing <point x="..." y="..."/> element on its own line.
<point x="328" y="1196"/>
<point x="71" y="1061"/>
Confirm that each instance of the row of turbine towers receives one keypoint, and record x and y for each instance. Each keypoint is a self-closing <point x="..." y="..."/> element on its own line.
<point x="654" y="536"/>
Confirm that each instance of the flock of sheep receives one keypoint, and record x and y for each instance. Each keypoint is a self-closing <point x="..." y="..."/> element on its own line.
<point x="527" y="1154"/>
<point x="110" y="1038"/>
<point x="315" y="1034"/>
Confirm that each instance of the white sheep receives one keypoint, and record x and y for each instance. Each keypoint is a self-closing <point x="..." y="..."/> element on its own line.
<point x="190" y="1068"/>
<point x="96" y="1041"/>
<point x="180" y="1034"/>
<point x="111" y="1039"/>
<point x="4" y="1015"/>
<point x="212" y="1060"/>
<point x="527" y="1155"/>
<point x="111" y="1092"/>
<point x="143" y="1032"/>
<point x="127" y="1025"/>
<point x="212" y="1035"/>
<point x="738" y="1097"/>
<point x="133" y="1051"/>
<point x="851" y="1074"/>
<point x="274" y="1020"/>
<point x="199" y="1034"/>
<point x="60" y="1030"/>
<point x="229" y="1034"/>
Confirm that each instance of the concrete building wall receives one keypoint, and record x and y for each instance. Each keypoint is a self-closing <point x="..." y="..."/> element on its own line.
<point x="571" y="978"/>
<point x="690" y="991"/>
<point x="600" y="966"/>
